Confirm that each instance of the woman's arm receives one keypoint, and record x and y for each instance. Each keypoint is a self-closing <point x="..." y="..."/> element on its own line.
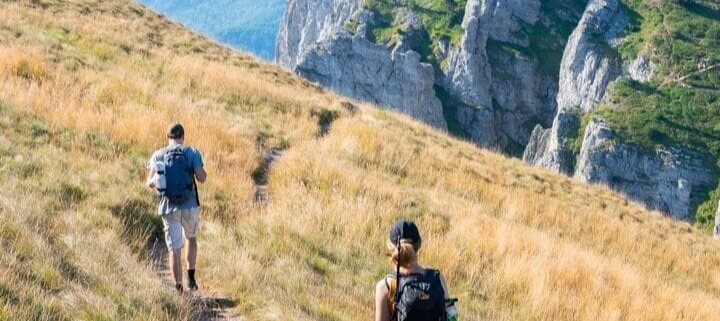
<point x="444" y="285"/>
<point x="382" y="310"/>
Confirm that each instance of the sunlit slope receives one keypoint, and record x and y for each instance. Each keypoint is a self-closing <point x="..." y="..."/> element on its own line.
<point x="98" y="83"/>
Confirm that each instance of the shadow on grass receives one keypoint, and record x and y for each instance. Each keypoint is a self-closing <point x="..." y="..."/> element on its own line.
<point x="209" y="308"/>
<point x="139" y="221"/>
<point x="701" y="10"/>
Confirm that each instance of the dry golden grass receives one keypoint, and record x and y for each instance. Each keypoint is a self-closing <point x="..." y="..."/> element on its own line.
<point x="86" y="91"/>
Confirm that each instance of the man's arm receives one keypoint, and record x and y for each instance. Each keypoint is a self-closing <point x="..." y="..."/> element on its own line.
<point x="150" y="182"/>
<point x="200" y="174"/>
<point x="197" y="162"/>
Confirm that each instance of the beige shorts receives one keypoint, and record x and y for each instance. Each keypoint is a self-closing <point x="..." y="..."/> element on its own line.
<point x="177" y="222"/>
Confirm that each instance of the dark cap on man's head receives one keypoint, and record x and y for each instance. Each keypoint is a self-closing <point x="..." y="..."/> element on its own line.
<point x="404" y="229"/>
<point x="176" y="130"/>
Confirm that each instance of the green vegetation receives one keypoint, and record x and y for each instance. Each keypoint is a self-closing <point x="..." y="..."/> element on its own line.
<point x="441" y="20"/>
<point x="681" y="105"/>
<point x="681" y="34"/>
<point x="666" y="116"/>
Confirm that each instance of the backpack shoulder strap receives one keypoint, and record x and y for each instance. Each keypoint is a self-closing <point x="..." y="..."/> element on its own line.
<point x="434" y="276"/>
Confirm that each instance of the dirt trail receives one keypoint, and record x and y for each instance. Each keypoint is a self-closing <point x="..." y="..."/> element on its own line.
<point x="205" y="306"/>
<point x="681" y="79"/>
<point x="262" y="173"/>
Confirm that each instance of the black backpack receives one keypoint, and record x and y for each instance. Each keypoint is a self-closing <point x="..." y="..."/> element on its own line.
<point x="178" y="175"/>
<point x="421" y="297"/>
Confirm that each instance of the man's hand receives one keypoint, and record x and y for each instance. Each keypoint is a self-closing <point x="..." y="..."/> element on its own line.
<point x="150" y="182"/>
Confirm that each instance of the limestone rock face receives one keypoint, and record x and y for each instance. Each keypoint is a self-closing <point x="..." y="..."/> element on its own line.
<point x="550" y="148"/>
<point x="641" y="69"/>
<point x="588" y="66"/>
<point x="590" y="63"/>
<point x="495" y="94"/>
<point x="499" y="95"/>
<point x="662" y="179"/>
<point x="307" y="22"/>
<point x="358" y="68"/>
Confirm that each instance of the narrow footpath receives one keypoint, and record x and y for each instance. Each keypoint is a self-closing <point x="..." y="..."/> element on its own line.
<point x="205" y="306"/>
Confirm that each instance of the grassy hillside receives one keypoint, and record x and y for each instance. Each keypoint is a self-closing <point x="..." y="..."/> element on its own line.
<point x="86" y="90"/>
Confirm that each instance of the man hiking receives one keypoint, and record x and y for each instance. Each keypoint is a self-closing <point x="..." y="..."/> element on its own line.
<point x="172" y="171"/>
<point x="411" y="292"/>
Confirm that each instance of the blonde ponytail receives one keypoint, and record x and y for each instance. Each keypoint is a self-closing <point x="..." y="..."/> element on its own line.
<point x="405" y="253"/>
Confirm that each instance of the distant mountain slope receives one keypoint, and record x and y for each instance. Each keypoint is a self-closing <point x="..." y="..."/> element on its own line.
<point x="619" y="92"/>
<point x="249" y="25"/>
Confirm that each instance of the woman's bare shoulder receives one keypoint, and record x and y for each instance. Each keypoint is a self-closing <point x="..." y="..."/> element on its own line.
<point x="382" y="286"/>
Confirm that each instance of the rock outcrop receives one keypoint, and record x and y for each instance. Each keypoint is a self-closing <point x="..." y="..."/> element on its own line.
<point x="662" y="179"/>
<point x="356" y="67"/>
<point x="641" y="69"/>
<point x="588" y="65"/>
<point x="306" y="22"/>
<point x="551" y="148"/>
<point x="498" y="86"/>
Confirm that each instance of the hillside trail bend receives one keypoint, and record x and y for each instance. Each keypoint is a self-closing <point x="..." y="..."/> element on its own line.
<point x="206" y="306"/>
<point x="261" y="175"/>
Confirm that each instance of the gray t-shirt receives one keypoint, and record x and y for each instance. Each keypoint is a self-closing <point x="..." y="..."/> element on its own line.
<point x="165" y="207"/>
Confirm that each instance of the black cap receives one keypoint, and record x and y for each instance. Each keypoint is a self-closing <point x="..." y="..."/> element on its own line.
<point x="404" y="229"/>
<point x="176" y="130"/>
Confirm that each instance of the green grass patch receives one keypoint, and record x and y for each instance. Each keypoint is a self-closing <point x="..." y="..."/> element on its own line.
<point x="679" y="34"/>
<point x="441" y="20"/>
<point x="186" y="47"/>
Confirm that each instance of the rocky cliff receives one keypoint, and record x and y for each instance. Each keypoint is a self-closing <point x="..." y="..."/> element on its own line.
<point x="493" y="83"/>
<point x="662" y="179"/>
<point x="672" y="180"/>
<point x="588" y="65"/>
<point x="496" y="74"/>
<point x="522" y="76"/>
<point x="306" y="22"/>
<point x="358" y="68"/>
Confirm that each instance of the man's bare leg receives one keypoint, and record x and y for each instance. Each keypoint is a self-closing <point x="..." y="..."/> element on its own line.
<point x="191" y="255"/>
<point x="190" y="259"/>
<point x="175" y="266"/>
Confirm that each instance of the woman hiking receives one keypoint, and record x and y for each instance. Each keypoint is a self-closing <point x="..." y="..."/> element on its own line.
<point x="412" y="292"/>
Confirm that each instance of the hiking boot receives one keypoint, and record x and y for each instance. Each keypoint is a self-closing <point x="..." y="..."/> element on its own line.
<point x="179" y="288"/>
<point x="192" y="285"/>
